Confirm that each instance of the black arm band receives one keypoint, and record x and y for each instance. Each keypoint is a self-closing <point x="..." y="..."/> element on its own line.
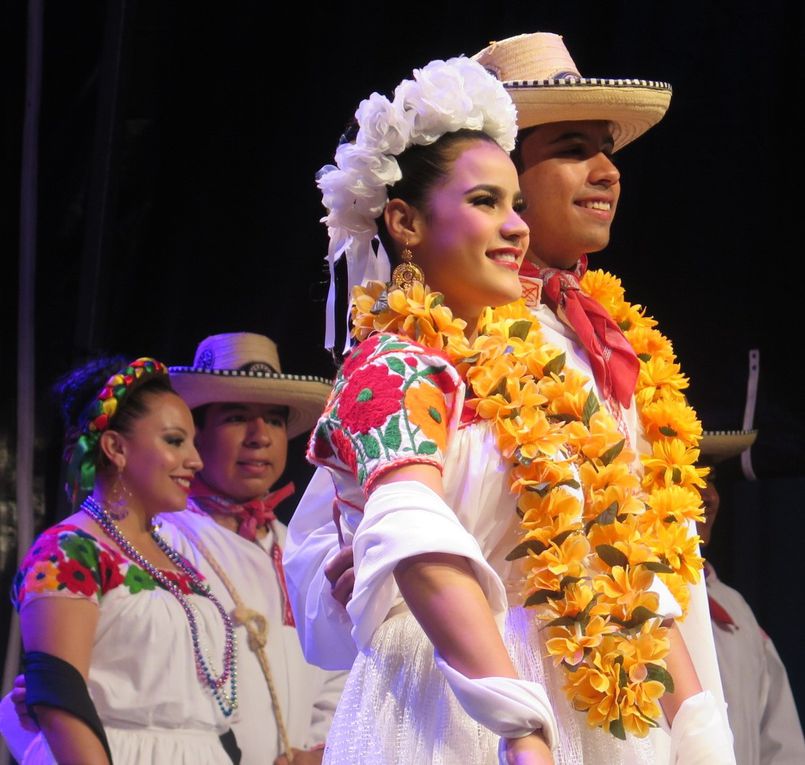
<point x="53" y="682"/>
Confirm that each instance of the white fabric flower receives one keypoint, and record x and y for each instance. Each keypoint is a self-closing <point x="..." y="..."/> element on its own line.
<point x="442" y="97"/>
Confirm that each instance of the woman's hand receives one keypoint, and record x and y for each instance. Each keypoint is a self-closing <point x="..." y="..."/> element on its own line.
<point x="528" y="750"/>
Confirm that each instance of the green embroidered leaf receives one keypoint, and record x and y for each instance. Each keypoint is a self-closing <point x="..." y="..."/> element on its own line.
<point x="520" y="328"/>
<point x="435" y="414"/>
<point x="396" y="365"/>
<point x="370" y="445"/>
<point x="431" y="371"/>
<point x="667" y="430"/>
<point x="392" y="438"/>
<point x="394" y="346"/>
<point x="611" y="454"/>
<point x="555" y="365"/>
<point x="612" y="556"/>
<point x="661" y="675"/>
<point x="427" y="447"/>
<point x="591" y="406"/>
<point x="365" y="395"/>
<point x="522" y="549"/>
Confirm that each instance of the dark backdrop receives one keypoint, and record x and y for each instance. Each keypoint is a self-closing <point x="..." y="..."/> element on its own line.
<point x="179" y="143"/>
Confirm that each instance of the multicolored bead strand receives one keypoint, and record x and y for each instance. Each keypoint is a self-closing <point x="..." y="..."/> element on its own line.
<point x="227" y="702"/>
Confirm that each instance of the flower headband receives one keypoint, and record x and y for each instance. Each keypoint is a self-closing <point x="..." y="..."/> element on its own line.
<point x="97" y="418"/>
<point x="443" y="97"/>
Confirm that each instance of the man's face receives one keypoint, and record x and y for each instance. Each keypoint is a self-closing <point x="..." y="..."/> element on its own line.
<point x="571" y="188"/>
<point x="244" y="448"/>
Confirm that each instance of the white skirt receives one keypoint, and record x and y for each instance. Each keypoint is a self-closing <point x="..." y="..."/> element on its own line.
<point x="397" y="708"/>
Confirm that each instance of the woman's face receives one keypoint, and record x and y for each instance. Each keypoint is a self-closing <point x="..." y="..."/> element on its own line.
<point x="473" y="238"/>
<point x="160" y="457"/>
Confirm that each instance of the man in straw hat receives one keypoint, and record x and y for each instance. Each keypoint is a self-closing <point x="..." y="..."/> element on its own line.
<point x="760" y="704"/>
<point x="569" y="129"/>
<point x="245" y="410"/>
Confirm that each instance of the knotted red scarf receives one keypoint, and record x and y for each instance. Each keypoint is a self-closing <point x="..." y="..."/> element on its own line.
<point x="613" y="361"/>
<point x="251" y="516"/>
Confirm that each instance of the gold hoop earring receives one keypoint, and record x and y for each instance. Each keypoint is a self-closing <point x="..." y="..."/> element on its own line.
<point x="407" y="273"/>
<point x="117" y="498"/>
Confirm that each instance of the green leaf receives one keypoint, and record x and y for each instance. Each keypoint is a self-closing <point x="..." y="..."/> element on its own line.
<point x="667" y="430"/>
<point x="520" y="328"/>
<point x="571" y="482"/>
<point x="427" y="447"/>
<point x="561" y="621"/>
<point x="540" y="488"/>
<point x="611" y="454"/>
<point x="555" y="365"/>
<point x="662" y="675"/>
<point x="676" y="475"/>
<point x="616" y="729"/>
<point x="640" y="615"/>
<point x="566" y="580"/>
<point x="591" y="406"/>
<point x="658" y="568"/>
<point x="522" y="549"/>
<point x="541" y="596"/>
<point x="612" y="556"/>
<point x="644" y="357"/>
<point x="436" y="299"/>
<point x="499" y="389"/>
<point x="392" y="438"/>
<point x="370" y="445"/>
<point x="608" y="516"/>
<point x="396" y="365"/>
<point x="559" y="538"/>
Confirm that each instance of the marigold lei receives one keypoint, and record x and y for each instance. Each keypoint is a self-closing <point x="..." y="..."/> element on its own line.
<point x="594" y="531"/>
<point x="442" y="97"/>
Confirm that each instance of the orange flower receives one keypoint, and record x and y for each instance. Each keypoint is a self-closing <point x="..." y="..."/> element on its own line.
<point x="672" y="462"/>
<point x="671" y="418"/>
<point x="569" y="644"/>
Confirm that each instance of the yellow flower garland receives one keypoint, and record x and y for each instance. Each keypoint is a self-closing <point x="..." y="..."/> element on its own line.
<point x="594" y="531"/>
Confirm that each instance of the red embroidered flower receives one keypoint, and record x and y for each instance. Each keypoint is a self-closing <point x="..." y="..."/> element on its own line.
<point x="345" y="451"/>
<point x="358" y="355"/>
<point x="109" y="570"/>
<point x="445" y="381"/>
<point x="370" y="396"/>
<point x="77" y="578"/>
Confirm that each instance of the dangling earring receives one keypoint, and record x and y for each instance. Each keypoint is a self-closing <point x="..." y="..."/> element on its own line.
<point x="117" y="498"/>
<point x="408" y="272"/>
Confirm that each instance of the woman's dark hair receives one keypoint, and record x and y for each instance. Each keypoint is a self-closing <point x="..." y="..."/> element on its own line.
<point x="77" y="390"/>
<point x="422" y="167"/>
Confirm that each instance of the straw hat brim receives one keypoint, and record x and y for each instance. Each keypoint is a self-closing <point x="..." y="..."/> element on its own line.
<point x="720" y="445"/>
<point x="631" y="106"/>
<point x="304" y="395"/>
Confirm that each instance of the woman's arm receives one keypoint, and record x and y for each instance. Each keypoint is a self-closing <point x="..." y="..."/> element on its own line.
<point x="446" y="599"/>
<point x="65" y="628"/>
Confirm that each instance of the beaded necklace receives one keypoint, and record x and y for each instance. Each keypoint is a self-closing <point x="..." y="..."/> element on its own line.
<point x="227" y="702"/>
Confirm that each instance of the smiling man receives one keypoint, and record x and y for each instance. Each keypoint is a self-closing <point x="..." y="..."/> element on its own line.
<point x="245" y="410"/>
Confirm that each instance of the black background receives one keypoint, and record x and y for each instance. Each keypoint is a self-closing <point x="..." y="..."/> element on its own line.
<point x="200" y="209"/>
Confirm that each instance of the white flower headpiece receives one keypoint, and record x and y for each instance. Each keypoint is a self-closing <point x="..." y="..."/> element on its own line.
<point x="443" y="97"/>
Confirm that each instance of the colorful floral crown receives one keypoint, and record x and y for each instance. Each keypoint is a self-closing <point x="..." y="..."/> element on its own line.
<point x="97" y="418"/>
<point x="443" y="97"/>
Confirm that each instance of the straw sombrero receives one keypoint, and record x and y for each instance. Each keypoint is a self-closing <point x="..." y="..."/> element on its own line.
<point x="545" y="85"/>
<point x="244" y="368"/>
<point x="719" y="445"/>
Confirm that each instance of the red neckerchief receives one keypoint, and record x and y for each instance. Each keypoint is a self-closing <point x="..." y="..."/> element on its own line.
<point x="613" y="360"/>
<point x="718" y="613"/>
<point x="251" y="516"/>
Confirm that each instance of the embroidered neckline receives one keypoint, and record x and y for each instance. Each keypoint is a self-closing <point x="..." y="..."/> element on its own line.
<point x="587" y="565"/>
